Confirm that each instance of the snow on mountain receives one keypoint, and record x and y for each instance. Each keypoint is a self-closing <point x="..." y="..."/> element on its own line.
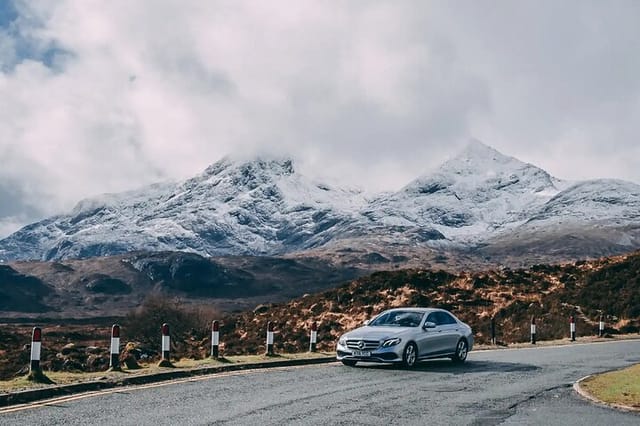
<point x="477" y="192"/>
<point x="264" y="207"/>
<point x="604" y="213"/>
<point x="593" y="200"/>
<point x="250" y="207"/>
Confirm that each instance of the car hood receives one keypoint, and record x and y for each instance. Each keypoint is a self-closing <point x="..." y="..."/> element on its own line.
<point x="378" y="333"/>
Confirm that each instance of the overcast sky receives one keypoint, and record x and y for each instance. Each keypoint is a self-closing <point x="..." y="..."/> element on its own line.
<point x="103" y="96"/>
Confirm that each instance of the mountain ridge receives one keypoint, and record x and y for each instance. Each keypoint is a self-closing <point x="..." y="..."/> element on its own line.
<point x="263" y="206"/>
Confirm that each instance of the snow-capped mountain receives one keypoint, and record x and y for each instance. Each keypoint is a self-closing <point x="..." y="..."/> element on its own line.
<point x="477" y="199"/>
<point x="479" y="192"/>
<point x="235" y="207"/>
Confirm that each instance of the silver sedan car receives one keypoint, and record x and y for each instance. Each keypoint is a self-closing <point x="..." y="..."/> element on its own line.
<point x="406" y="336"/>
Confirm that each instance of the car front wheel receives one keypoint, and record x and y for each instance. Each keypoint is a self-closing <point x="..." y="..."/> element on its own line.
<point x="462" y="349"/>
<point x="410" y="355"/>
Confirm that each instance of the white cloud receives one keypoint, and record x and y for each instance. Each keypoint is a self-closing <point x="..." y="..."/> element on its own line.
<point x="369" y="92"/>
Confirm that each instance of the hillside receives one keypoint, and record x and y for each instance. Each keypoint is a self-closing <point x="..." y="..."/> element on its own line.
<point x="113" y="285"/>
<point x="550" y="292"/>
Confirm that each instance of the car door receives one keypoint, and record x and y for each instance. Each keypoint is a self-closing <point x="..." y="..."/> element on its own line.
<point x="431" y="341"/>
<point x="449" y="331"/>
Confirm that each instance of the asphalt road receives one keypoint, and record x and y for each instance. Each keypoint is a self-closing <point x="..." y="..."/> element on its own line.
<point x="519" y="386"/>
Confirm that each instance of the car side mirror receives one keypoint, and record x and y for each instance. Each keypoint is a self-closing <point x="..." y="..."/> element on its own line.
<point x="428" y="325"/>
<point x="367" y="322"/>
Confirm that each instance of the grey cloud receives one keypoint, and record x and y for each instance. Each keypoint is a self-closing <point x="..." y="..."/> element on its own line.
<point x="13" y="203"/>
<point x="371" y="93"/>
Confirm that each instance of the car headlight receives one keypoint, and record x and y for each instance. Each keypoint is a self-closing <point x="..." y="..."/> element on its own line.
<point x="342" y="342"/>
<point x="391" y="342"/>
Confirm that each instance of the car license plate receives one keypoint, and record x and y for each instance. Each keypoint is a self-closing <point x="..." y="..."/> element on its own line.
<point x="362" y="353"/>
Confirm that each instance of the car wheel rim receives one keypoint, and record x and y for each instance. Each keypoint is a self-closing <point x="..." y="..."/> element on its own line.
<point x="410" y="355"/>
<point x="462" y="350"/>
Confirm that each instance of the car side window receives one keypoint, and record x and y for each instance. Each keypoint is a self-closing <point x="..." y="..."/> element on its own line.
<point x="433" y="317"/>
<point x="445" y="318"/>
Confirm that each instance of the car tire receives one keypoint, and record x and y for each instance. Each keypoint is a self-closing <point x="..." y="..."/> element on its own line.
<point x="410" y="355"/>
<point x="349" y="363"/>
<point x="462" y="350"/>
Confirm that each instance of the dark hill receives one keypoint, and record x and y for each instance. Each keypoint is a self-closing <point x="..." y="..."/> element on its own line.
<point x="114" y="285"/>
<point x="22" y="292"/>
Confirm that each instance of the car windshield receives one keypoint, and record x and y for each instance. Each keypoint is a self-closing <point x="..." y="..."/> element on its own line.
<point x="398" y="319"/>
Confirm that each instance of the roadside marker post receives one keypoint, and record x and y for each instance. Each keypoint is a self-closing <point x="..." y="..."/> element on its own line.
<point x="572" y="328"/>
<point x="215" y="339"/>
<point x="114" y="363"/>
<point x="314" y="337"/>
<point x="35" y="370"/>
<point x="36" y="348"/>
<point x="601" y="326"/>
<point x="493" y="331"/>
<point x="270" y="339"/>
<point x="533" y="330"/>
<point x="166" y="347"/>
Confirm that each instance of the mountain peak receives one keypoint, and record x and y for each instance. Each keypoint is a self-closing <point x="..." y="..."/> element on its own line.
<point x="475" y="148"/>
<point x="478" y="153"/>
<point x="279" y="166"/>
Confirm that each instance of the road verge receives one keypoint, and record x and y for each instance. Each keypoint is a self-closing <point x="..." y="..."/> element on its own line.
<point x="31" y="395"/>
<point x="615" y="389"/>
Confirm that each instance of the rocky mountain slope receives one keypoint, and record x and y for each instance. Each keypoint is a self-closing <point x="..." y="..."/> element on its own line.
<point x="481" y="204"/>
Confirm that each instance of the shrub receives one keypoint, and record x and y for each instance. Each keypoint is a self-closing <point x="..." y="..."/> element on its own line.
<point x="187" y="323"/>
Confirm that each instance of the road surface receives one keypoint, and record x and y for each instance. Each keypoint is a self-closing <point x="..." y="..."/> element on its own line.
<point x="515" y="386"/>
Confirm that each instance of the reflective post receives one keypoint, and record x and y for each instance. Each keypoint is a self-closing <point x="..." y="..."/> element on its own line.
<point x="166" y="347"/>
<point x="314" y="337"/>
<point x="269" y="338"/>
<point x="572" y="328"/>
<point x="36" y="348"/>
<point x="114" y="363"/>
<point x="533" y="329"/>
<point x="601" y="326"/>
<point x="215" y="339"/>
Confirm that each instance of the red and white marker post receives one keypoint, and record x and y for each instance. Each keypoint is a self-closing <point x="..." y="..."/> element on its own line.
<point x="36" y="348"/>
<point x="166" y="347"/>
<point x="533" y="330"/>
<point x="601" y="326"/>
<point x="269" y="338"/>
<point x="572" y="328"/>
<point x="215" y="339"/>
<point x="314" y="337"/>
<point x="114" y="363"/>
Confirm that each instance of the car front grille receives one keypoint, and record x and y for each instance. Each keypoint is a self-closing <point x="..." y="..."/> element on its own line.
<point x="366" y="346"/>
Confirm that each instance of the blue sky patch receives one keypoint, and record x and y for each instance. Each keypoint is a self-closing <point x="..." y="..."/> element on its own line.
<point x="26" y="47"/>
<point x="8" y="13"/>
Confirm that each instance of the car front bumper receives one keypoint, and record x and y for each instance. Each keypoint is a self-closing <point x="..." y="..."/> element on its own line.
<point x="392" y="354"/>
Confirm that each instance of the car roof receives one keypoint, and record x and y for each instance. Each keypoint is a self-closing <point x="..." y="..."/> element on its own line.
<point x="412" y="308"/>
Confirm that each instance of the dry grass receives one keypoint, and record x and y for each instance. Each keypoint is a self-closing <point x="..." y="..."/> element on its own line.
<point x="616" y="387"/>
<point x="62" y="378"/>
<point x="65" y="378"/>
